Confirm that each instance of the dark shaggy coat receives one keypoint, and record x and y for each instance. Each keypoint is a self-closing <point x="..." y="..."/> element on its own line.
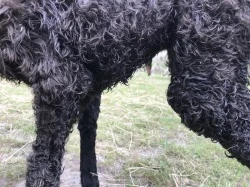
<point x="70" y="51"/>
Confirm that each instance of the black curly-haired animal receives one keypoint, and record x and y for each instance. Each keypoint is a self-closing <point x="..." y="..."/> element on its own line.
<point x="69" y="51"/>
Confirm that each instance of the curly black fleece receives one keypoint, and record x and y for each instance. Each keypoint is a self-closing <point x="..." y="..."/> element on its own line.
<point x="69" y="51"/>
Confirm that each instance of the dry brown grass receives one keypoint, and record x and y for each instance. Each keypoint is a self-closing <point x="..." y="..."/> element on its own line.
<point x="140" y="142"/>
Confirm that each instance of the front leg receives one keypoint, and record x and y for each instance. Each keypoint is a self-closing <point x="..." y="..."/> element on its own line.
<point x="87" y="127"/>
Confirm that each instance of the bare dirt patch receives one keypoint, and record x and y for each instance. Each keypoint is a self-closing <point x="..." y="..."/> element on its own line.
<point x="71" y="175"/>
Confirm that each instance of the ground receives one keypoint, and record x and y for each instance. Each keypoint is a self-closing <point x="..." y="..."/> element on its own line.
<point x="141" y="142"/>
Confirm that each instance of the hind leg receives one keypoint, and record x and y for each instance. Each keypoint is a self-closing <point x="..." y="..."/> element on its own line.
<point x="208" y="63"/>
<point x="53" y="127"/>
<point x="56" y="106"/>
<point x="87" y="127"/>
<point x="54" y="119"/>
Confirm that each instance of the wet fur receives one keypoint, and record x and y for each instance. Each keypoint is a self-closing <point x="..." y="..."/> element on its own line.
<point x="70" y="51"/>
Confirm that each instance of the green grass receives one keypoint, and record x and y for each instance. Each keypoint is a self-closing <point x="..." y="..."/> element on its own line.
<point x="141" y="141"/>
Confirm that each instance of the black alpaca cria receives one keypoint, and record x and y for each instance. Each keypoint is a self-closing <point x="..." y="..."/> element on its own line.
<point x="70" y="51"/>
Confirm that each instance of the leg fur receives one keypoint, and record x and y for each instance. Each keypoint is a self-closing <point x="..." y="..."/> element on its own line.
<point x="87" y="127"/>
<point x="54" y="123"/>
<point x="208" y="63"/>
<point x="56" y="107"/>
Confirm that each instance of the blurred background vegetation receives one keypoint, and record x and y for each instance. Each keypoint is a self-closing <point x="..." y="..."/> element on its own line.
<point x="141" y="141"/>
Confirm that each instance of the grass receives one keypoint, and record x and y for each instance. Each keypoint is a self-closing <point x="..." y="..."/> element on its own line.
<point x="141" y="141"/>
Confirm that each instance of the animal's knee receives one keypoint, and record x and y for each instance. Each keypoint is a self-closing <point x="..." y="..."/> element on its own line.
<point x="63" y="85"/>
